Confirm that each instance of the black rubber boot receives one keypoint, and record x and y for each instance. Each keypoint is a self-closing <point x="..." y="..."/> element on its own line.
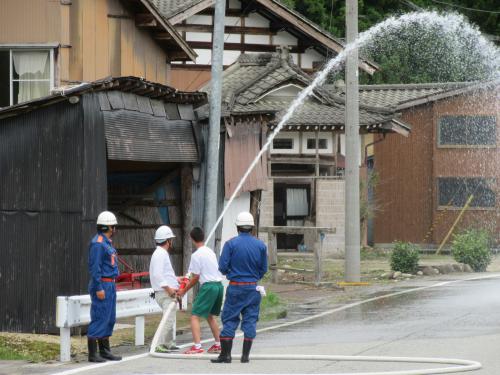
<point x="105" y="351"/>
<point x="225" y="354"/>
<point x="247" y="345"/>
<point x="93" y="356"/>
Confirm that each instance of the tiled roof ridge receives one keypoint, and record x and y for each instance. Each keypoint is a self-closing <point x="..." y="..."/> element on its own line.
<point x="415" y="86"/>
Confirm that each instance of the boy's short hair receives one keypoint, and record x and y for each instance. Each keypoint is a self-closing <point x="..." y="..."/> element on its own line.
<point x="197" y="234"/>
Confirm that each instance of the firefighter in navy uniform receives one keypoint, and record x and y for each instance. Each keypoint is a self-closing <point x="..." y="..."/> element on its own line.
<point x="103" y="269"/>
<point x="244" y="262"/>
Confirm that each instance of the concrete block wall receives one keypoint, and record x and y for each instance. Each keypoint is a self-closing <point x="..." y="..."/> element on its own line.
<point x="267" y="209"/>
<point x="330" y="212"/>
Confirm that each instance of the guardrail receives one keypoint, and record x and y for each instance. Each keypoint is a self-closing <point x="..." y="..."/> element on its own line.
<point x="74" y="311"/>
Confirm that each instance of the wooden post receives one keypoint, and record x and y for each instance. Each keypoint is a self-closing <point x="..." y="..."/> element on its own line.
<point x="457" y="220"/>
<point x="318" y="258"/>
<point x="273" y="255"/>
<point x="187" y="214"/>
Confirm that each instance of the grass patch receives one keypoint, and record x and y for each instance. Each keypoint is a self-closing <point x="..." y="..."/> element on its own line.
<point x="17" y="348"/>
<point x="272" y="307"/>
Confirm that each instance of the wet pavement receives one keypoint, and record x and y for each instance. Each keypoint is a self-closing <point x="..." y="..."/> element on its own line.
<point x="458" y="320"/>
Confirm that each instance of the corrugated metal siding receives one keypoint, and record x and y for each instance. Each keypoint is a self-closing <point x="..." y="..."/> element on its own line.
<point x="46" y="158"/>
<point x="40" y="213"/>
<point x="141" y="137"/>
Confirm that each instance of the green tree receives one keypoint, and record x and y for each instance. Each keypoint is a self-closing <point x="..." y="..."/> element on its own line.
<point x="410" y="58"/>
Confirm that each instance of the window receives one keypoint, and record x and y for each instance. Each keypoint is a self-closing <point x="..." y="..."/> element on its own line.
<point x="325" y="143"/>
<point x="286" y="143"/>
<point x="25" y="74"/>
<point x="283" y="144"/>
<point x="455" y="191"/>
<point x="467" y="131"/>
<point x="322" y="144"/>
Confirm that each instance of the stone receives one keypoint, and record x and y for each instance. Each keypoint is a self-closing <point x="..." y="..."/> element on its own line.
<point x="436" y="270"/>
<point x="468" y="268"/>
<point x="407" y="275"/>
<point x="457" y="268"/>
<point x="396" y="275"/>
<point x="442" y="269"/>
<point x="387" y="275"/>
<point x="420" y="273"/>
<point x="449" y="268"/>
<point x="428" y="271"/>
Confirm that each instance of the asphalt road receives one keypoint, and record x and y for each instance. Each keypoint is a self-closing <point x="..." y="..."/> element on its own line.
<point x="457" y="320"/>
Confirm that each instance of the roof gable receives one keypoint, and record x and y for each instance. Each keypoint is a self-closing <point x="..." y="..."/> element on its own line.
<point x="267" y="84"/>
<point x="177" y="11"/>
<point x="148" y="17"/>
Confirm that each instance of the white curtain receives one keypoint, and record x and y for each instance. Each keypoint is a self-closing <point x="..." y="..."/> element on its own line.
<point x="296" y="202"/>
<point x="31" y="65"/>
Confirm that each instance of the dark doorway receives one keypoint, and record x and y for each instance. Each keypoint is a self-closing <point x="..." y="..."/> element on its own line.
<point x="291" y="207"/>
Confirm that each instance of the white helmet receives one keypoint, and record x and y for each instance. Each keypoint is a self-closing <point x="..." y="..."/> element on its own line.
<point x="106" y="218"/>
<point x="244" y="219"/>
<point x="163" y="233"/>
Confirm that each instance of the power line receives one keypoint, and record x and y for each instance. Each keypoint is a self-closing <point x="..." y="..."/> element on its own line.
<point x="466" y="8"/>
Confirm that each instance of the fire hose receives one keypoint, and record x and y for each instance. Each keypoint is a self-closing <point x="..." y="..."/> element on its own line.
<point x="455" y="365"/>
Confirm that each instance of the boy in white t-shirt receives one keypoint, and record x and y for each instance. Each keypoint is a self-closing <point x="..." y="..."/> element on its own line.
<point x="205" y="269"/>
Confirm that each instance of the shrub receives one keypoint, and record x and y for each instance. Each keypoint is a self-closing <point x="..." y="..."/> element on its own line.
<point x="404" y="257"/>
<point x="472" y="247"/>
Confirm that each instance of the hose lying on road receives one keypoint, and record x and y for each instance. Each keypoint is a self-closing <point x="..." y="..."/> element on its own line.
<point x="459" y="365"/>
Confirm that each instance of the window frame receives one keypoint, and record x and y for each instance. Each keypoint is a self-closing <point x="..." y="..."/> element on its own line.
<point x="478" y="146"/>
<point x="287" y="135"/>
<point x="31" y="48"/>
<point x="321" y="135"/>
<point x="470" y="208"/>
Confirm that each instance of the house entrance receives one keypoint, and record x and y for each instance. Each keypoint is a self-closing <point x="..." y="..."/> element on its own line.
<point x="291" y="208"/>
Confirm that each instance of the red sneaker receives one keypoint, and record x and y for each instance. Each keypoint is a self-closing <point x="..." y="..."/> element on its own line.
<point x="194" y="350"/>
<point x="214" y="349"/>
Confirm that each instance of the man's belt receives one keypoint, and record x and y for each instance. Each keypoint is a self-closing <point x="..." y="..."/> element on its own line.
<point x="242" y="283"/>
<point x="108" y="279"/>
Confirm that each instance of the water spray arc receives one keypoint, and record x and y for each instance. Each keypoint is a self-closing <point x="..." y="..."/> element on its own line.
<point x="453" y="25"/>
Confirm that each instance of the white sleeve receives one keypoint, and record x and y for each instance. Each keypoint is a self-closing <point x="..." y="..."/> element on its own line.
<point x="194" y="265"/>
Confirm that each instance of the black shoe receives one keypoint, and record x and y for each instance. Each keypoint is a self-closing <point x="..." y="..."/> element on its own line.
<point x="93" y="356"/>
<point x="225" y="353"/>
<point x="105" y="351"/>
<point x="247" y="345"/>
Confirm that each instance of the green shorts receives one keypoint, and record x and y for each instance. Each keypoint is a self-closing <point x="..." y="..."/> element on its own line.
<point x="209" y="299"/>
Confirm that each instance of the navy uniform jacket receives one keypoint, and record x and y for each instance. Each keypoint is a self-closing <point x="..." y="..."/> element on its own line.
<point x="102" y="261"/>
<point x="244" y="259"/>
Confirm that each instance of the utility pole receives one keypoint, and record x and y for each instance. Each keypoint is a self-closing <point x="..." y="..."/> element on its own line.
<point x="353" y="147"/>
<point x="212" y="177"/>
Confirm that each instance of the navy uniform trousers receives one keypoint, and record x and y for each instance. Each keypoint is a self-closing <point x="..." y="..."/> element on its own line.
<point x="103" y="269"/>
<point x="244" y="301"/>
<point x="103" y="312"/>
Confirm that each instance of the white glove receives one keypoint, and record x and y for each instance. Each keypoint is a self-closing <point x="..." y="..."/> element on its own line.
<point x="261" y="290"/>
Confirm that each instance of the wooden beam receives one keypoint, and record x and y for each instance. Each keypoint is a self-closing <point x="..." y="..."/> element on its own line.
<point x="144" y="226"/>
<point x="229" y="12"/>
<point x="145" y="21"/>
<point x="196" y="9"/>
<point x="228" y="29"/>
<point x="296" y="230"/>
<point x="311" y="31"/>
<point x="181" y="43"/>
<point x="162" y="36"/>
<point x="245" y="47"/>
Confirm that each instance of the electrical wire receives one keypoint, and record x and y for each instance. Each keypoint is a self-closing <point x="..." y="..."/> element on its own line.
<point x="466" y="8"/>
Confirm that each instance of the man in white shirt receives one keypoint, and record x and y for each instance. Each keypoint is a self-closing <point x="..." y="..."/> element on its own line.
<point x="204" y="269"/>
<point x="165" y="285"/>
